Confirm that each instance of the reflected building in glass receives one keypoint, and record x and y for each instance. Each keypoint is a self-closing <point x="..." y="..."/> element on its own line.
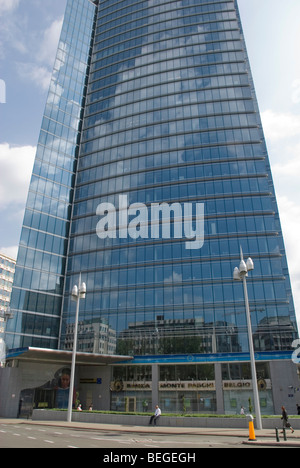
<point x="152" y="102"/>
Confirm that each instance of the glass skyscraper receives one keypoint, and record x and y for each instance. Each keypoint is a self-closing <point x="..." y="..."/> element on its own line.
<point x="152" y="108"/>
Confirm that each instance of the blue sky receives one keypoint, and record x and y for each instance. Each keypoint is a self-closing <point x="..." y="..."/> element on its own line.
<point x="29" y="33"/>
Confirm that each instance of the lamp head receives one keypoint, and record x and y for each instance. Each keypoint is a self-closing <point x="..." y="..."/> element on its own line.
<point x="250" y="264"/>
<point x="236" y="274"/>
<point x="75" y="293"/>
<point x="82" y="291"/>
<point x="243" y="268"/>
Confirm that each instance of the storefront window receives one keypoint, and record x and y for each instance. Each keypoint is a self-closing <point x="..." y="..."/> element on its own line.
<point x="187" y="388"/>
<point x="188" y="402"/>
<point x="131" y="389"/>
<point x="238" y="388"/>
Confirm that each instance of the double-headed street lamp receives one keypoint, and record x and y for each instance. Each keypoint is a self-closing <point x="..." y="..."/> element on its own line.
<point x="78" y="292"/>
<point x="240" y="274"/>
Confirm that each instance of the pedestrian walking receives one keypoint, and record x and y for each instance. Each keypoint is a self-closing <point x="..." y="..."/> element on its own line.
<point x="156" y="416"/>
<point x="285" y="420"/>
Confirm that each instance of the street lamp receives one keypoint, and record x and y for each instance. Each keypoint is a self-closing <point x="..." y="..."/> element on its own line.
<point x="240" y="274"/>
<point x="78" y="292"/>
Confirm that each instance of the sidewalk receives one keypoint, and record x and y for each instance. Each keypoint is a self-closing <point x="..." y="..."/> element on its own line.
<point x="266" y="437"/>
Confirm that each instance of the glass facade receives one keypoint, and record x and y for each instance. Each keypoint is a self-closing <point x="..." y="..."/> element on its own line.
<point x="152" y="103"/>
<point x="39" y="278"/>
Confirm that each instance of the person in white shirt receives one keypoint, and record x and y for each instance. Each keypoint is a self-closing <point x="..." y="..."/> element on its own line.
<point x="156" y="416"/>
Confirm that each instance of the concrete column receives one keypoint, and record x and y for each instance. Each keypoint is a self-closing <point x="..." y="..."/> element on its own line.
<point x="155" y="380"/>
<point x="285" y="386"/>
<point x="10" y="388"/>
<point x="219" y="388"/>
<point x="99" y="393"/>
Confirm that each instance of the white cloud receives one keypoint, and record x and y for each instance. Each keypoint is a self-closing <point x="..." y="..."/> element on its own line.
<point x="285" y="157"/>
<point x="280" y="125"/>
<point x="290" y="168"/>
<point x="39" y="69"/>
<point x="40" y="75"/>
<point x="296" y="91"/>
<point x="7" y="6"/>
<point x="11" y="252"/>
<point x="16" y="164"/>
<point x="282" y="131"/>
<point x="49" y="43"/>
<point x="290" y="222"/>
<point x="12" y="29"/>
<point x="15" y="167"/>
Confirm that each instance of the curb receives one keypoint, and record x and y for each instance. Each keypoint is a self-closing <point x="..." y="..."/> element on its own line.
<point x="264" y="439"/>
<point x="261" y="443"/>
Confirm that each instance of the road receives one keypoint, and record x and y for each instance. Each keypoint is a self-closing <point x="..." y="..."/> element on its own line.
<point x="31" y="436"/>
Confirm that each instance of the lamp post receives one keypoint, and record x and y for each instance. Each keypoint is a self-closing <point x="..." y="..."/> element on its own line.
<point x="78" y="292"/>
<point x="240" y="274"/>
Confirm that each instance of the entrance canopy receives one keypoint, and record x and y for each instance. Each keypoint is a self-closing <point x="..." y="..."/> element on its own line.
<point x="64" y="357"/>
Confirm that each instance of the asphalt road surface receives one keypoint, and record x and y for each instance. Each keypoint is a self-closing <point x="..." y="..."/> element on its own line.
<point x="30" y="436"/>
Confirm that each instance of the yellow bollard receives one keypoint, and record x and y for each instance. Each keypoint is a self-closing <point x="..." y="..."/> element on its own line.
<point x="251" y="430"/>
